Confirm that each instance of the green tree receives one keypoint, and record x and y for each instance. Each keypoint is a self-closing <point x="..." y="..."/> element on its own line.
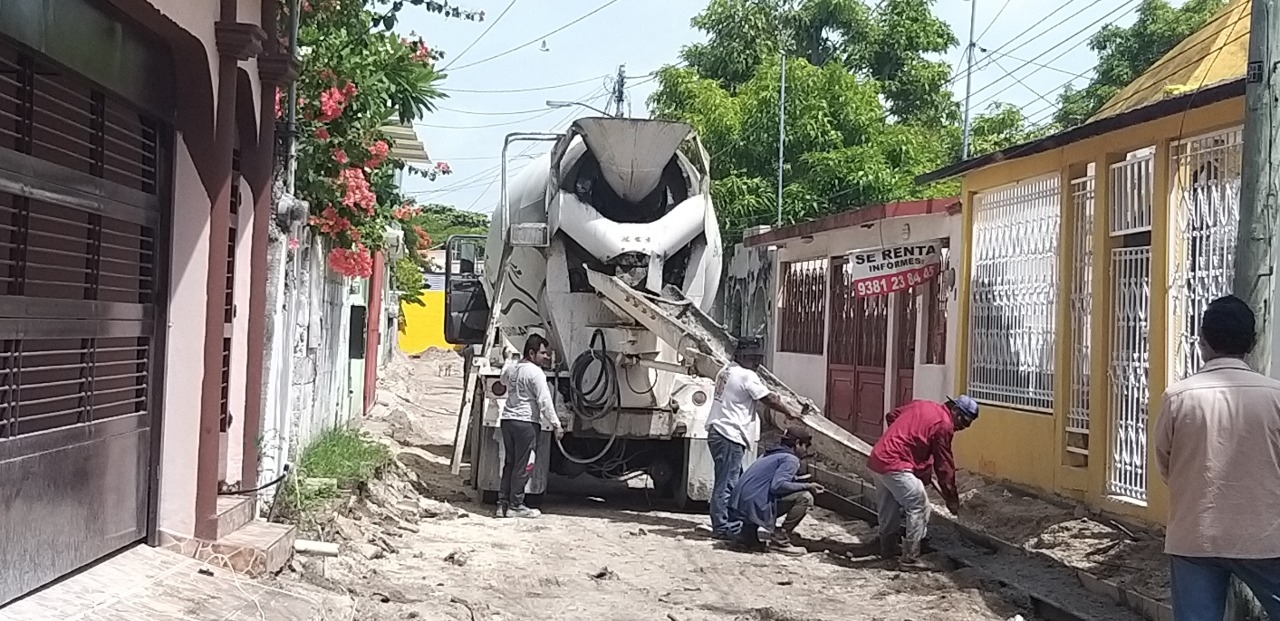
<point x="868" y="108"/>
<point x="1125" y="53"/>
<point x="359" y="76"/>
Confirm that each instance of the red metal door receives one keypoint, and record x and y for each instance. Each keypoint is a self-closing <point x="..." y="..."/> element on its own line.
<point x="855" y="364"/>
<point x="905" y="346"/>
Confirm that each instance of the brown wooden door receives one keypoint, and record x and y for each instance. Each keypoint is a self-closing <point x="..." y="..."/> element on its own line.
<point x="856" y="355"/>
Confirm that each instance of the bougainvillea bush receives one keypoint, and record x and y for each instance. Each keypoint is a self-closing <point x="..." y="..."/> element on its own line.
<point x="358" y="77"/>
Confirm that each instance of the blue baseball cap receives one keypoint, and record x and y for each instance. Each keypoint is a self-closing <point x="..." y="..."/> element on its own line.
<point x="966" y="405"/>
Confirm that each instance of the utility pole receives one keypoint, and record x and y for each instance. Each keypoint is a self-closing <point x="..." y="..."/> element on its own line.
<point x="620" y="91"/>
<point x="1255" y="239"/>
<point x="968" y="77"/>
<point x="782" y="102"/>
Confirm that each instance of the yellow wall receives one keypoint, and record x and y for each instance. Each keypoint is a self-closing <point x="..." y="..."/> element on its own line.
<point x="422" y="327"/>
<point x="1027" y="447"/>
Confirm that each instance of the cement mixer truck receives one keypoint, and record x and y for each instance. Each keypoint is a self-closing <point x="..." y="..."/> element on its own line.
<point x="608" y="246"/>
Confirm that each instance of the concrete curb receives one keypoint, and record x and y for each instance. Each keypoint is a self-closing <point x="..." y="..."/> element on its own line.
<point x="855" y="498"/>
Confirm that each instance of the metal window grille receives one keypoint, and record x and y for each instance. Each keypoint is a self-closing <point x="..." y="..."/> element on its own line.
<point x="1129" y="192"/>
<point x="859" y="325"/>
<point x="802" y="313"/>
<point x="908" y="310"/>
<point x="1204" y="218"/>
<point x="1014" y="293"/>
<point x="1082" y="197"/>
<point x="55" y="117"/>
<point x="1129" y="365"/>
<point x="77" y="266"/>
<point x="936" y="316"/>
<point x="228" y="304"/>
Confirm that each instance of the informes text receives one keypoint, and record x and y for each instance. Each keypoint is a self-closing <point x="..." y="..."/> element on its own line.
<point x="882" y="271"/>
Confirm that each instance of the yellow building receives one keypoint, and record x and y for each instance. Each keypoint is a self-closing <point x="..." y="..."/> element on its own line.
<point x="1090" y="256"/>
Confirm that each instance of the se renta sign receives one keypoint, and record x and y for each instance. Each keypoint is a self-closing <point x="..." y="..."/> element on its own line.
<point x="897" y="268"/>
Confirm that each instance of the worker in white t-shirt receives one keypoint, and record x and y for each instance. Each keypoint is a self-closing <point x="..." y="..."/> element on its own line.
<point x="733" y="409"/>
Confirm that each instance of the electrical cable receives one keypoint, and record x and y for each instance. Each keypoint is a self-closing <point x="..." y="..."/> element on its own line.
<point x="496" y="113"/>
<point x="481" y="36"/>
<point x="993" y="20"/>
<point x="1131" y="5"/>
<point x="508" y="91"/>
<point x="1039" y="37"/>
<point x="538" y="38"/>
<point x="600" y="400"/>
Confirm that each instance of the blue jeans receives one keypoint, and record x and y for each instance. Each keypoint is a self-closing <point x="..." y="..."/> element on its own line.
<point x="1199" y="585"/>
<point x="727" y="456"/>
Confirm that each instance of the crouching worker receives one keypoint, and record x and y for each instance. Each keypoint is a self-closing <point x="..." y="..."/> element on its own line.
<point x="769" y="488"/>
<point x="917" y="441"/>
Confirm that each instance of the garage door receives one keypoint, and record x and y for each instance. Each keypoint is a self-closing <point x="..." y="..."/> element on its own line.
<point x="80" y="207"/>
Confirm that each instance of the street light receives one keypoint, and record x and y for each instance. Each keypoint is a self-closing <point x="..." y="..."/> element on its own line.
<point x="552" y="103"/>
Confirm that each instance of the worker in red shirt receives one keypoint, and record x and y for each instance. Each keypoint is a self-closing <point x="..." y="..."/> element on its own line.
<point x="917" y="441"/>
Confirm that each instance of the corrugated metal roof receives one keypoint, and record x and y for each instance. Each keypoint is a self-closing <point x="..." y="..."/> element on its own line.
<point x="1215" y="54"/>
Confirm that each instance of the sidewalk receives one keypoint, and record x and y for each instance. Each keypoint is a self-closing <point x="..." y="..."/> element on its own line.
<point x="154" y="584"/>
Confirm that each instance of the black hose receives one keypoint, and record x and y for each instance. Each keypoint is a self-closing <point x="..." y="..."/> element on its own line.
<point x="601" y="399"/>
<point x="259" y="488"/>
<point x="604" y="395"/>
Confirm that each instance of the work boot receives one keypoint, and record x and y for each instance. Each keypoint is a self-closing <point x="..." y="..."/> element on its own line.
<point x="501" y="511"/>
<point x="889" y="548"/>
<point x="780" y="542"/>
<point x="911" y="558"/>
<point x="524" y="512"/>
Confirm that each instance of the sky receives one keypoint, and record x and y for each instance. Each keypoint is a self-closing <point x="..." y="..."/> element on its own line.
<point x="1028" y="50"/>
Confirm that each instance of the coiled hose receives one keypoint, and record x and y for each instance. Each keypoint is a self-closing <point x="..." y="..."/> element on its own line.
<point x="598" y="401"/>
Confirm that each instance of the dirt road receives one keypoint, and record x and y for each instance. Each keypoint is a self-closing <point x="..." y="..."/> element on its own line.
<point x="619" y="558"/>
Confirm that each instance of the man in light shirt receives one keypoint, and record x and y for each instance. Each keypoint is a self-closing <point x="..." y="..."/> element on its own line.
<point x="1218" y="448"/>
<point x="528" y="404"/>
<point x="733" y="409"/>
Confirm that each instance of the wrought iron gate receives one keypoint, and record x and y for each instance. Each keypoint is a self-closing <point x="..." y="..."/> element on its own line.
<point x="80" y="271"/>
<point x="1129" y="367"/>
<point x="905" y="344"/>
<point x="856" y="356"/>
<point x="1204" y="217"/>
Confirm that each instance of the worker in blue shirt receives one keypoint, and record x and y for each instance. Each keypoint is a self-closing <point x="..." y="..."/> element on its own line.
<point x="772" y="487"/>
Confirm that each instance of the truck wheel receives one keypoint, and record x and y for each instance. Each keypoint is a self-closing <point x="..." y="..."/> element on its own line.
<point x="533" y="500"/>
<point x="489" y="498"/>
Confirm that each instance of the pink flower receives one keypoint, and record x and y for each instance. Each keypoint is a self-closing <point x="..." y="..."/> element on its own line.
<point x="322" y="133"/>
<point x="443" y="168"/>
<point x="356" y="190"/>
<point x="404" y="212"/>
<point x="377" y="154"/>
<point x="340" y="156"/>
<point x="294" y="243"/>
<point x="422" y="53"/>
<point x="353" y="262"/>
<point x="279" y="97"/>
<point x="330" y="222"/>
<point x="332" y="102"/>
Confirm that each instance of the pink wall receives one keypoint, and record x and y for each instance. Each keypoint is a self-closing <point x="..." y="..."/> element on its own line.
<point x="184" y="366"/>
<point x="198" y="18"/>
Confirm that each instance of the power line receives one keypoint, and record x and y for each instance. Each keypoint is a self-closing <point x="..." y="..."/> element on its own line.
<point x="506" y="91"/>
<point x="1132" y="5"/>
<point x="538" y="38"/>
<point x="482" y="34"/>
<point x="494" y="113"/>
<point x="993" y="19"/>
<point x="1055" y="26"/>
<point x="489" y="126"/>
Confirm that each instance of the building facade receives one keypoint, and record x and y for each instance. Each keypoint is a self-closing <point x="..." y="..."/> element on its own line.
<point x="856" y="354"/>
<point x="1089" y="258"/>
<point x="136" y="157"/>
